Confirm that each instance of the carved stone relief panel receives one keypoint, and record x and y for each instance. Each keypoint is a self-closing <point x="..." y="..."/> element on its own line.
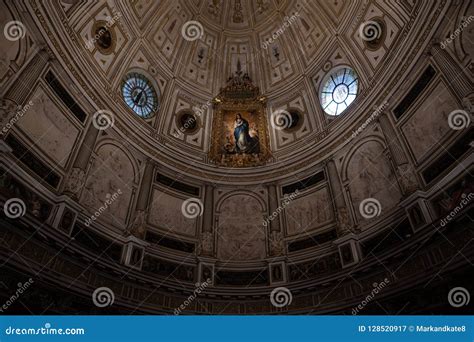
<point x="429" y="124"/>
<point x="370" y="175"/>
<point x="166" y="36"/>
<point x="200" y="66"/>
<point x="166" y="214"/>
<point x="48" y="127"/>
<point x="335" y="9"/>
<point x="308" y="212"/>
<point x="240" y="230"/>
<point x="111" y="176"/>
<point x="310" y="31"/>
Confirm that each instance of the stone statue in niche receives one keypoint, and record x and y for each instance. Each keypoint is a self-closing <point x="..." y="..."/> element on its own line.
<point x="407" y="178"/>
<point x="343" y="220"/>
<point x="277" y="273"/>
<point x="138" y="227"/>
<point x="207" y="244"/>
<point x="277" y="247"/>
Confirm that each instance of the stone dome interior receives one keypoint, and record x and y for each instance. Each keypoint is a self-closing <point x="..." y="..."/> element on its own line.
<point x="155" y="147"/>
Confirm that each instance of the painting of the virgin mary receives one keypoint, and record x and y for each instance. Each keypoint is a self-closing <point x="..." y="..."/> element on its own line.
<point x="244" y="142"/>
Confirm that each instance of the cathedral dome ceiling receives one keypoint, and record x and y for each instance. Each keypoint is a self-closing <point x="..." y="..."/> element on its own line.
<point x="189" y="49"/>
<point x="246" y="144"/>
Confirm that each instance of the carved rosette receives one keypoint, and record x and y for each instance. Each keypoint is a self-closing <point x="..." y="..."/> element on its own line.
<point x="277" y="247"/>
<point x="75" y="182"/>
<point x="138" y="226"/>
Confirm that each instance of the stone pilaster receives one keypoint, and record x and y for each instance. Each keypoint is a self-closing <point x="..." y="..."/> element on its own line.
<point x="272" y="207"/>
<point x="76" y="179"/>
<point x="343" y="218"/>
<point x="206" y="246"/>
<point x="18" y="92"/>
<point x="138" y="225"/>
<point x="405" y="172"/>
<point x="452" y="69"/>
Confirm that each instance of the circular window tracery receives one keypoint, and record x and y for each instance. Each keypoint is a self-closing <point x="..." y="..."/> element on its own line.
<point x="140" y="95"/>
<point x="339" y="90"/>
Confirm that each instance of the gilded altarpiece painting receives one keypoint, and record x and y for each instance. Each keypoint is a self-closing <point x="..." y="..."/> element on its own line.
<point x="239" y="129"/>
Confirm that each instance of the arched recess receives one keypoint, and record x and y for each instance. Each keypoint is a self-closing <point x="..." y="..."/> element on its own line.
<point x="368" y="174"/>
<point x="240" y="230"/>
<point x="112" y="177"/>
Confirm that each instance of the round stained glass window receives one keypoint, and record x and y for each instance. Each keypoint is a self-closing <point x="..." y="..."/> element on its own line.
<point x="140" y="95"/>
<point x="339" y="91"/>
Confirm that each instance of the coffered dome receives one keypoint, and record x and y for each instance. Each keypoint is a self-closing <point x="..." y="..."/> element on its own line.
<point x="154" y="147"/>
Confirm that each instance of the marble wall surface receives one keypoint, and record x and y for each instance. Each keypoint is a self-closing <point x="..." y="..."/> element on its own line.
<point x="370" y="175"/>
<point x="429" y="123"/>
<point x="49" y="127"/>
<point x="309" y="211"/>
<point x="165" y="214"/>
<point x="111" y="171"/>
<point x="240" y="230"/>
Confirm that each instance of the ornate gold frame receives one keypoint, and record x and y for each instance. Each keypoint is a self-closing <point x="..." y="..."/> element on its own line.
<point x="239" y="95"/>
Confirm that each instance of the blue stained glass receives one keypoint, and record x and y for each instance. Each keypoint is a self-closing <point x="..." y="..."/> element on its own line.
<point x="140" y="95"/>
<point x="339" y="91"/>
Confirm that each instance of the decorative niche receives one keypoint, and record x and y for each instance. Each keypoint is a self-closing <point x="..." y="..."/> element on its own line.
<point x="104" y="37"/>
